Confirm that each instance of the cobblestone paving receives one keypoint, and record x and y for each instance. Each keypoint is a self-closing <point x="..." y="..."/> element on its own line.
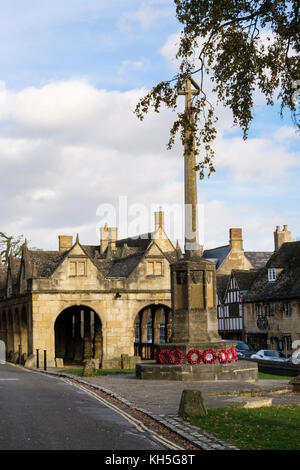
<point x="163" y="396"/>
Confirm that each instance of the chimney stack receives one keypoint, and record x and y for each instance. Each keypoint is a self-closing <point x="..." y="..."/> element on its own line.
<point x="236" y="239"/>
<point x="281" y="236"/>
<point x="108" y="235"/>
<point x="65" y="242"/>
<point x="159" y="220"/>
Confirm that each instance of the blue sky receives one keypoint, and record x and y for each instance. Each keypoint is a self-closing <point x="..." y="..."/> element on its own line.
<point x="71" y="74"/>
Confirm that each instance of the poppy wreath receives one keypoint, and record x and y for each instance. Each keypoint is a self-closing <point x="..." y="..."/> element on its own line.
<point x="232" y="354"/>
<point x="176" y="356"/>
<point x="222" y="356"/>
<point x="156" y="355"/>
<point x="194" y="356"/>
<point x="164" y="356"/>
<point x="209" y="356"/>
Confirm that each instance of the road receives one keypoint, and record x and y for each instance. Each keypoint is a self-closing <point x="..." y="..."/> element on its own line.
<point x="41" y="412"/>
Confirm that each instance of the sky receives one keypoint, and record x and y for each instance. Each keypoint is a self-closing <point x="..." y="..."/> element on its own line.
<point x="73" y="155"/>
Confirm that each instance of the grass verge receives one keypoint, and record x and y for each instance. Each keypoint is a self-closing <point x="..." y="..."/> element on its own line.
<point x="263" y="376"/>
<point x="273" y="428"/>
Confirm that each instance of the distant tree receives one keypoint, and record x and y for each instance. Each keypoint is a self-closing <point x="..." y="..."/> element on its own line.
<point x="240" y="46"/>
<point x="8" y="243"/>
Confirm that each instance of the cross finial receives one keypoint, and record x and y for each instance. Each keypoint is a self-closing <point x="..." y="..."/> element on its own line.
<point x="189" y="92"/>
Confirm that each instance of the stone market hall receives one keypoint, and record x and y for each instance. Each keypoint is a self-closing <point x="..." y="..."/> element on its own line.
<point x="82" y="302"/>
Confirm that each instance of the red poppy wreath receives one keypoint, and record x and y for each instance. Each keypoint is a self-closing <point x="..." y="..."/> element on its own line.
<point x="164" y="356"/>
<point x="209" y="356"/>
<point x="194" y="356"/>
<point x="222" y="356"/>
<point x="176" y="356"/>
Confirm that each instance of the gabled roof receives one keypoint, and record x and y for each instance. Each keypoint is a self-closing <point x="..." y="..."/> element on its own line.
<point x="222" y="283"/>
<point x="287" y="256"/>
<point x="218" y="254"/>
<point x="287" y="284"/>
<point x="44" y="263"/>
<point x="3" y="276"/>
<point x="123" y="267"/>
<point x="14" y="265"/>
<point x="258" y="259"/>
<point x="245" y="278"/>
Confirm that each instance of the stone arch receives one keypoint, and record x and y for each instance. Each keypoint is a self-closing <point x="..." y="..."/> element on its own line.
<point x="153" y="325"/>
<point x="78" y="334"/>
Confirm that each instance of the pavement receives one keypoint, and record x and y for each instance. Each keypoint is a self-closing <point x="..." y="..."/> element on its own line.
<point x="160" y="400"/>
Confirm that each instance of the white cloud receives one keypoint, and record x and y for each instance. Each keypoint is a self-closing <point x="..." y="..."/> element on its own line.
<point x="67" y="147"/>
<point x="258" y="160"/>
<point x="145" y="17"/>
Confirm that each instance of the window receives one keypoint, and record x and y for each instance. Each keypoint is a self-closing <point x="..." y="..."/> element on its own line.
<point x="271" y="274"/>
<point x="267" y="310"/>
<point x="234" y="310"/>
<point x="154" y="268"/>
<point x="258" y="309"/>
<point x="287" y="342"/>
<point x="77" y="268"/>
<point x="287" y="309"/>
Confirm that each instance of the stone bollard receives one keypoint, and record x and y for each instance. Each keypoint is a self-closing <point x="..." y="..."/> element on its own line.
<point x="90" y="367"/>
<point x="129" y="362"/>
<point x="59" y="362"/>
<point x="191" y="405"/>
<point x="296" y="383"/>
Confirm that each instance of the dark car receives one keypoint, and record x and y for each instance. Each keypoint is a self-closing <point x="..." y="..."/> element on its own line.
<point x="244" y="350"/>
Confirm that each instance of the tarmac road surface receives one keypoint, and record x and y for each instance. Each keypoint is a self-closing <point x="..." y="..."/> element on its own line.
<point x="40" y="412"/>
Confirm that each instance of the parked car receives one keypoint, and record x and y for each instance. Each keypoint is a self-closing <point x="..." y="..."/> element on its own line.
<point x="244" y="350"/>
<point x="269" y="355"/>
<point x="295" y="357"/>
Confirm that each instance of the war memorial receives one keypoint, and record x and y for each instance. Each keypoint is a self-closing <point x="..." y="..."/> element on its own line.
<point x="195" y="351"/>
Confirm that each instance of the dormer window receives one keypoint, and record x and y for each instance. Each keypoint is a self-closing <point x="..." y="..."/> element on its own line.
<point x="271" y="274"/>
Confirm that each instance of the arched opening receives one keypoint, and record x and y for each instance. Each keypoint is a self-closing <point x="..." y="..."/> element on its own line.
<point x="78" y="335"/>
<point x="153" y="325"/>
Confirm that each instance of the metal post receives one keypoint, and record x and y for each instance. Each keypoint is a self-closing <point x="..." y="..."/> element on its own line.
<point x="20" y="354"/>
<point x="45" y="359"/>
<point x="37" y="359"/>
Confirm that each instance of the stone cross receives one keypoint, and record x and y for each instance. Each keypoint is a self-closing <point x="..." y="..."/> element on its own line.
<point x="191" y="245"/>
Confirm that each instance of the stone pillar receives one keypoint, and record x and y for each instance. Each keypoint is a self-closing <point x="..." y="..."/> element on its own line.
<point x="23" y="328"/>
<point x="169" y="325"/>
<point x="144" y="325"/>
<point x="78" y="344"/>
<point x="16" y="333"/>
<point x="97" y="339"/>
<point x="10" y="338"/>
<point x="87" y="340"/>
<point x="157" y="314"/>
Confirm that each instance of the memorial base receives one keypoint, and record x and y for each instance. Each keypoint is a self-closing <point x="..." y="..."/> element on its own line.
<point x="245" y="371"/>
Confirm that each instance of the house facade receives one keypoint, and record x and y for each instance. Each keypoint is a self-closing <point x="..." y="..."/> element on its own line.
<point x="272" y="307"/>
